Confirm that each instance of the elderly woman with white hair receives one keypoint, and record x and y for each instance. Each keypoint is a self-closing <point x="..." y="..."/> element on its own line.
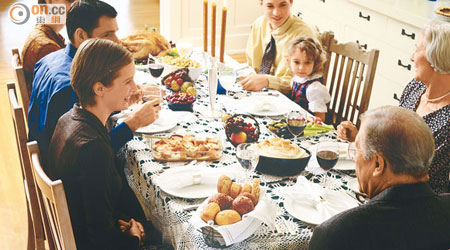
<point x="429" y="96"/>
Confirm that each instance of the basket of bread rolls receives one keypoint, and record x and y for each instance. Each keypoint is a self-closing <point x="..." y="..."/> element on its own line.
<point x="233" y="213"/>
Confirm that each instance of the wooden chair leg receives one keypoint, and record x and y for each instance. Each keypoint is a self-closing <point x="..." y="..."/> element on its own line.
<point x="31" y="241"/>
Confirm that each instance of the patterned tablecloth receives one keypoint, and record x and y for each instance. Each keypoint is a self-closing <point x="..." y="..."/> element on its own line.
<point x="166" y="211"/>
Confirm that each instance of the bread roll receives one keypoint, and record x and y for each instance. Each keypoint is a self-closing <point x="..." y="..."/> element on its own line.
<point x="246" y="188"/>
<point x="235" y="189"/>
<point x="224" y="201"/>
<point x="243" y="205"/>
<point x="227" y="217"/>
<point x="251" y="196"/>
<point x="255" y="189"/>
<point x="224" y="184"/>
<point x="210" y="211"/>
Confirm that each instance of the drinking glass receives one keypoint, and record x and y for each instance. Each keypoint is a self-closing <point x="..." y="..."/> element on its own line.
<point x="184" y="49"/>
<point x="296" y="122"/>
<point x="227" y="78"/>
<point x="327" y="156"/>
<point x="247" y="157"/>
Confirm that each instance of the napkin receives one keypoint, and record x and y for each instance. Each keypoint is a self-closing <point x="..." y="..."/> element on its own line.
<point x="188" y="176"/>
<point x="311" y="194"/>
<point x="264" y="212"/>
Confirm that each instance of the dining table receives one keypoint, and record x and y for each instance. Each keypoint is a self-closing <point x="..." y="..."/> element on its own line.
<point x="172" y="214"/>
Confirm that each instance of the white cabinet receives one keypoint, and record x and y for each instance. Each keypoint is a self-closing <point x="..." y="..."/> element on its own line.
<point x="391" y="26"/>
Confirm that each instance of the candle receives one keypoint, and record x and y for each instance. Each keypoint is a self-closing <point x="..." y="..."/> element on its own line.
<point x="213" y="28"/>
<point x="205" y="25"/>
<point x="222" y="32"/>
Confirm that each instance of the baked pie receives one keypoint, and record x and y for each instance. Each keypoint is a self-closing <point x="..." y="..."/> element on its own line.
<point x="443" y="13"/>
<point x="182" y="148"/>
<point x="280" y="148"/>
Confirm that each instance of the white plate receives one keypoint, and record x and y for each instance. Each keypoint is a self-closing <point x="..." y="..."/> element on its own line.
<point x="194" y="191"/>
<point x="345" y="164"/>
<point x="309" y="213"/>
<point x="262" y="105"/>
<point x="166" y="121"/>
<point x="353" y="185"/>
<point x="141" y="67"/>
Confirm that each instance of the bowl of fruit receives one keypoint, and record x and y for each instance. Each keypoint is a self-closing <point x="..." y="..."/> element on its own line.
<point x="179" y="80"/>
<point x="241" y="128"/>
<point x="180" y="101"/>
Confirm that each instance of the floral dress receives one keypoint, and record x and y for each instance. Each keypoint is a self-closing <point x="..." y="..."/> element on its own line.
<point x="439" y="123"/>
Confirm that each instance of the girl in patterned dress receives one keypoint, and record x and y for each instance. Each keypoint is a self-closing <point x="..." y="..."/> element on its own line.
<point x="306" y="59"/>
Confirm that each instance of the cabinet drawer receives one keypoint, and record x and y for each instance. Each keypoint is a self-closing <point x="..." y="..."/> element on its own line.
<point x="402" y="35"/>
<point x="396" y="65"/>
<point x="384" y="90"/>
<point x="365" y="40"/>
<point x="366" y="20"/>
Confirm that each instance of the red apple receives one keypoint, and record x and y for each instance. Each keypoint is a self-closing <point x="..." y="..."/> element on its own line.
<point x="238" y="138"/>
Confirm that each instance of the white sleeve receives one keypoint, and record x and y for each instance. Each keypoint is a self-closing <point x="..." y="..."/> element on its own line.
<point x="318" y="97"/>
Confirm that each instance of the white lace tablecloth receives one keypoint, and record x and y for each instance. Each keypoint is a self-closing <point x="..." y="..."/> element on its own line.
<point x="166" y="211"/>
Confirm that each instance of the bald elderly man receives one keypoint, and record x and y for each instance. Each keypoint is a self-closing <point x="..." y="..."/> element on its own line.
<point x="394" y="149"/>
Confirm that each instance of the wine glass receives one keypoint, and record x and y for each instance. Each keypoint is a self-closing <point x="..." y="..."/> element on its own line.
<point x="227" y="78"/>
<point x="156" y="70"/>
<point x="247" y="157"/>
<point x="327" y="155"/>
<point x="296" y="122"/>
<point x="184" y="49"/>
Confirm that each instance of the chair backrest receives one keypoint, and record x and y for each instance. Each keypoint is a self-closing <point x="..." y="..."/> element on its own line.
<point x="58" y="230"/>
<point x="25" y="92"/>
<point x="348" y="73"/>
<point x="35" y="233"/>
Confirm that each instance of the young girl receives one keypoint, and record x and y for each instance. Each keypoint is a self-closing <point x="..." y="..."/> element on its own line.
<point x="306" y="59"/>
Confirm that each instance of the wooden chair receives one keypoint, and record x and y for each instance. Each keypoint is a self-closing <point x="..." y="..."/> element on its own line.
<point x="54" y="210"/>
<point x="25" y="93"/>
<point x="35" y="233"/>
<point x="349" y="73"/>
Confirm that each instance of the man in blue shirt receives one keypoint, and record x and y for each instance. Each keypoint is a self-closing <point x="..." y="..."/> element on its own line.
<point x="52" y="94"/>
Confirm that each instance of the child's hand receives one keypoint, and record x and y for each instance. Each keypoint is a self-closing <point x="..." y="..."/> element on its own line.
<point x="254" y="82"/>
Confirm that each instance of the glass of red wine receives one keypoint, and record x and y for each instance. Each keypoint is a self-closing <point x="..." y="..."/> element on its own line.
<point x="296" y="122"/>
<point x="156" y="69"/>
<point x="327" y="155"/>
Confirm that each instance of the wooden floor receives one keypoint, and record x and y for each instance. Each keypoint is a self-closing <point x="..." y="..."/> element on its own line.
<point x="133" y="15"/>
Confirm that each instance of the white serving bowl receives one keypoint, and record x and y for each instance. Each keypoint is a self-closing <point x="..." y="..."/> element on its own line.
<point x="194" y="73"/>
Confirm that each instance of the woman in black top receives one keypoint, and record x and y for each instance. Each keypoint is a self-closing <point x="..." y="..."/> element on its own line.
<point x="81" y="154"/>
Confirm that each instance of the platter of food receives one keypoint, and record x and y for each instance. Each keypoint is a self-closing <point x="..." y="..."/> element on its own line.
<point x="186" y="148"/>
